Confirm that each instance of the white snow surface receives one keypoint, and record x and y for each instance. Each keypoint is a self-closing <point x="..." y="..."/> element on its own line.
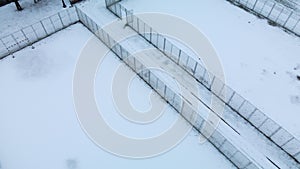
<point x="261" y="62"/>
<point x="38" y="124"/>
<point x="13" y="20"/>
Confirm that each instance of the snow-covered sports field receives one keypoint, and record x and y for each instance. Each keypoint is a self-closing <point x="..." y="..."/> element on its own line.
<point x="38" y="123"/>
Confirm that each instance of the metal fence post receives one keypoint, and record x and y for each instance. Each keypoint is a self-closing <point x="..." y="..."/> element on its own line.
<point x="150" y="35"/>
<point x="195" y="67"/>
<point x="25" y="36"/>
<point x="165" y="88"/>
<point x="164" y="45"/>
<point x="44" y="28"/>
<point x="296" y="24"/>
<point x="220" y="92"/>
<point x="263" y="7"/>
<point x="254" y="5"/>
<point x="279" y="14"/>
<point x="149" y="74"/>
<point x="213" y="80"/>
<point x="52" y="24"/>
<point x="61" y="19"/>
<point x="271" y="9"/>
<point x="77" y="12"/>
<point x="69" y="16"/>
<point x="288" y="18"/>
<point x="178" y="54"/>
<point x="134" y="63"/>
<point x="231" y="97"/>
<point x="138" y="25"/>
<point x="37" y="37"/>
<point x="241" y="105"/>
<point x="109" y="43"/>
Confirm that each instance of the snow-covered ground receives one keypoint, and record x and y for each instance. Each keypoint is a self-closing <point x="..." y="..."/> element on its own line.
<point x="260" y="62"/>
<point x="38" y="123"/>
<point x="12" y="20"/>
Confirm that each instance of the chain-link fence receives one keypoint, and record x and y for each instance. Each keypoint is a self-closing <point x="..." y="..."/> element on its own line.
<point x="237" y="103"/>
<point x="224" y="145"/>
<point x="276" y="13"/>
<point x="37" y="31"/>
<point x="218" y="88"/>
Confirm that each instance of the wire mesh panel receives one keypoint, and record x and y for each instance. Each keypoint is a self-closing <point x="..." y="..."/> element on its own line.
<point x="3" y="50"/>
<point x="37" y="31"/>
<point x="251" y="3"/>
<point x="199" y="72"/>
<point x="153" y="80"/>
<point x="191" y="65"/>
<point x="10" y="43"/>
<point x="236" y="101"/>
<point x="168" y="51"/>
<point x="148" y="32"/>
<point x="48" y="25"/>
<point x="177" y="104"/>
<point x="258" y="6"/>
<point x="130" y="61"/>
<point x="138" y="66"/>
<point x="169" y="95"/>
<point x="284" y="16"/>
<point x="129" y="17"/>
<point x="30" y="33"/>
<point x="296" y="29"/>
<point x="175" y="53"/>
<point x="134" y="24"/>
<point x="160" y="42"/>
<point x="183" y="56"/>
<point x="226" y="94"/>
<point x="277" y="13"/>
<point x="217" y="86"/>
<point x="247" y="109"/>
<point x="291" y="22"/>
<point x="65" y="17"/>
<point x="154" y="38"/>
<point x="108" y="3"/>
<point x="57" y="22"/>
<point x="141" y="27"/>
<point x="269" y="127"/>
<point x="116" y="9"/>
<point x="220" y="91"/>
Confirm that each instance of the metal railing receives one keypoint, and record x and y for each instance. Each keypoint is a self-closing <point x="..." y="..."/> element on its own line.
<point x="273" y="131"/>
<point x="30" y="34"/>
<point x="276" y="13"/>
<point x="223" y="144"/>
